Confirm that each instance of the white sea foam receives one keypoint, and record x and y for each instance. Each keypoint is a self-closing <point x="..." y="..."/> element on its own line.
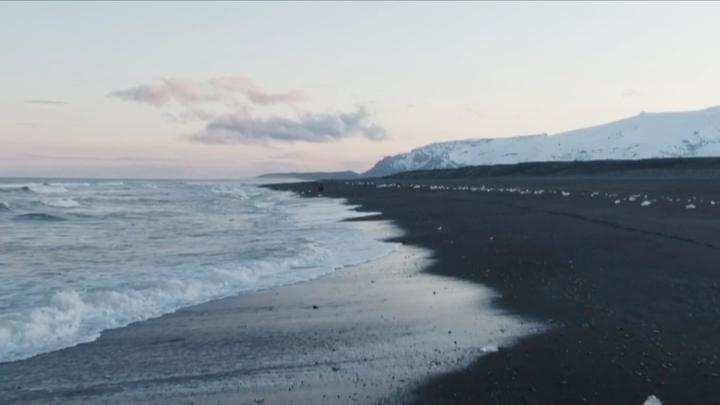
<point x="71" y="184"/>
<point x="14" y="186"/>
<point x="71" y="317"/>
<point x="149" y="260"/>
<point x="34" y="187"/>
<point x="111" y="183"/>
<point x="231" y="190"/>
<point x="47" y="189"/>
<point x="61" y="202"/>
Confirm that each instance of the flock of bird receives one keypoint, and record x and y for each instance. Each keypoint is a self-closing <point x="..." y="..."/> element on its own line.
<point x="645" y="200"/>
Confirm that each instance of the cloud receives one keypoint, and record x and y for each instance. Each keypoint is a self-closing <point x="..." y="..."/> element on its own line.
<point x="195" y="97"/>
<point x="473" y="111"/>
<point x="631" y="93"/>
<point x="243" y="85"/>
<point x="242" y="128"/>
<point x="204" y="101"/>
<point x="53" y="102"/>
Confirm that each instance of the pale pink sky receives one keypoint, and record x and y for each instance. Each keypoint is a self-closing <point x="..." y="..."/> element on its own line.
<point x="234" y="89"/>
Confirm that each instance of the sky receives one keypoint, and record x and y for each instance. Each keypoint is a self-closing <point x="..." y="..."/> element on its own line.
<point x="235" y="89"/>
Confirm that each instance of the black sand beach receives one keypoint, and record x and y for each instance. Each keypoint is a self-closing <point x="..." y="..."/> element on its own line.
<point x="629" y="295"/>
<point x="632" y="291"/>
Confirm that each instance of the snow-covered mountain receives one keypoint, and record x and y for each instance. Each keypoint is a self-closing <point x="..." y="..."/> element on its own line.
<point x="647" y="135"/>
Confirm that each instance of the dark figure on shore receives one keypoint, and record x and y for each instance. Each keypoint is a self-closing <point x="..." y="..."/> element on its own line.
<point x="320" y="188"/>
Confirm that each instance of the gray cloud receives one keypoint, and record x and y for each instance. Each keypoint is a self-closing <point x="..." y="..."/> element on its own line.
<point x="53" y="102"/>
<point x="318" y="128"/>
<point x="196" y="96"/>
<point x="631" y="93"/>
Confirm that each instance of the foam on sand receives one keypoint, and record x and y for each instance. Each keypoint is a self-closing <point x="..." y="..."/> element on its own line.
<point x="368" y="333"/>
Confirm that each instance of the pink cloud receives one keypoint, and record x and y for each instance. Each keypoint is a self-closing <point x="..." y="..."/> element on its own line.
<point x="194" y="96"/>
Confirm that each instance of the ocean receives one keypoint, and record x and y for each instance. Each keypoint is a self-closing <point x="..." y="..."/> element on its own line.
<point x="81" y="256"/>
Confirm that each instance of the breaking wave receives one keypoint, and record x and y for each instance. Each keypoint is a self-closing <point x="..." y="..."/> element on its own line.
<point x="38" y="216"/>
<point x="61" y="203"/>
<point x="44" y="188"/>
<point x="71" y="184"/>
<point x="144" y="253"/>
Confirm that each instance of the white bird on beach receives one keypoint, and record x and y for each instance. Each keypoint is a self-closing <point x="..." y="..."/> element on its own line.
<point x="652" y="400"/>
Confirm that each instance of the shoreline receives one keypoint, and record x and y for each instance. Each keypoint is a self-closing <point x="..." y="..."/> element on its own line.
<point x="366" y="333"/>
<point x="631" y="290"/>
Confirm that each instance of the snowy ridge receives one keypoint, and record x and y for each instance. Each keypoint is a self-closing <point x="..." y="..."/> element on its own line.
<point x="644" y="136"/>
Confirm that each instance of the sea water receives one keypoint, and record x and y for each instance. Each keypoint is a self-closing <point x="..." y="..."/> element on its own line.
<point x="80" y="257"/>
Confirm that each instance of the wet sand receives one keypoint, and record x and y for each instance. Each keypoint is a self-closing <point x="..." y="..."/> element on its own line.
<point x="364" y="334"/>
<point x="633" y="291"/>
